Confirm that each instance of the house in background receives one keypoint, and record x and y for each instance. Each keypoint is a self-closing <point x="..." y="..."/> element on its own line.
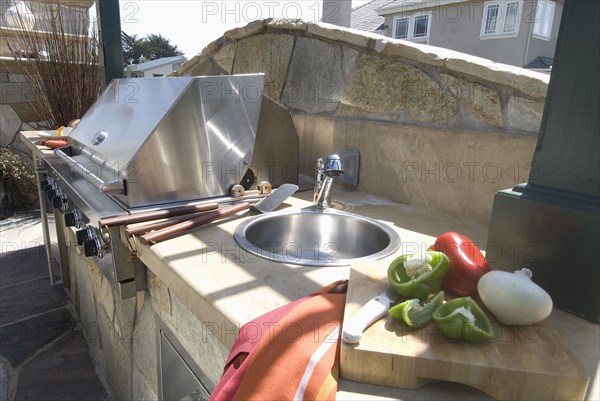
<point x="517" y="32"/>
<point x="15" y="91"/>
<point x="155" y="68"/>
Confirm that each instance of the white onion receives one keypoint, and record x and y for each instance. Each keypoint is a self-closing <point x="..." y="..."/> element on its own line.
<point x="513" y="298"/>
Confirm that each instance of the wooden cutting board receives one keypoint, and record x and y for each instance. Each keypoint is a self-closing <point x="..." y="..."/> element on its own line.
<point x="521" y="363"/>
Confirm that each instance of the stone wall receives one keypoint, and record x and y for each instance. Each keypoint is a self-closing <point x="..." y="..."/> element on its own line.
<point x="437" y="108"/>
<point x="10" y="126"/>
<point x="318" y="68"/>
<point x="122" y="334"/>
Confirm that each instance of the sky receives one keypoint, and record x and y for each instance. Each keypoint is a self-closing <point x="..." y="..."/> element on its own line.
<point x="192" y="24"/>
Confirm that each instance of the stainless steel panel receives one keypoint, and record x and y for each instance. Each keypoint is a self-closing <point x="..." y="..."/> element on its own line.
<point x="128" y="111"/>
<point x="170" y="139"/>
<point x="179" y="377"/>
<point x="116" y="263"/>
<point x="203" y="145"/>
<point x="275" y="157"/>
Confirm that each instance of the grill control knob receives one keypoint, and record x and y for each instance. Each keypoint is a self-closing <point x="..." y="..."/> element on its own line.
<point x="60" y="201"/>
<point x="51" y="192"/>
<point x="73" y="219"/>
<point x="84" y="235"/>
<point x="47" y="183"/>
<point x="92" y="247"/>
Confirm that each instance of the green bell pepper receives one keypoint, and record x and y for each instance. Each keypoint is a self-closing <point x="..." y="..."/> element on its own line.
<point x="463" y="318"/>
<point x="416" y="314"/>
<point x="418" y="276"/>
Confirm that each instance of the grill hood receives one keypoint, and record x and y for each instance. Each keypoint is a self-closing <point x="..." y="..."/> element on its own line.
<point x="149" y="141"/>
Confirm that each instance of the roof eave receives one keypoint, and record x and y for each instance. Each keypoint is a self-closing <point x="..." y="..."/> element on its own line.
<point x="412" y="6"/>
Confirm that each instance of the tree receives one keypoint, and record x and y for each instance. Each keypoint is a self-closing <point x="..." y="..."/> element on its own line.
<point x="153" y="46"/>
<point x="132" y="47"/>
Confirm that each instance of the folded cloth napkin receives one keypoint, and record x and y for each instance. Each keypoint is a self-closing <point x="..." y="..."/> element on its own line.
<point x="290" y="353"/>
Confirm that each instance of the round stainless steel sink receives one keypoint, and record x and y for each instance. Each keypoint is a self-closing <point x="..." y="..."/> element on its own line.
<point x="312" y="237"/>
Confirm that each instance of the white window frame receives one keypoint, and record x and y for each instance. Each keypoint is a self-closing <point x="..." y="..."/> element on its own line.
<point x="499" y="30"/>
<point x="544" y="18"/>
<point x="411" y="27"/>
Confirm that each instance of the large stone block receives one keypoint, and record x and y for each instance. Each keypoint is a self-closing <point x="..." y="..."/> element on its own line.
<point x="86" y="305"/>
<point x="340" y="34"/>
<point x="161" y="297"/>
<point x="212" y="47"/>
<point x="117" y="359"/>
<point x="96" y="278"/>
<point x="253" y="28"/>
<point x="384" y="89"/>
<point x="349" y="57"/>
<point x="525" y="114"/>
<point x="198" y="340"/>
<point x="124" y="320"/>
<point x="144" y="346"/>
<point x="82" y="296"/>
<point x="315" y="81"/>
<point x="10" y="123"/>
<point x="286" y="24"/>
<point x="268" y="53"/>
<point x="520" y="80"/>
<point x="197" y="66"/>
<point x="484" y="102"/>
<point x="420" y="53"/>
<point x="141" y="389"/>
<point x="107" y="299"/>
<point x="224" y="57"/>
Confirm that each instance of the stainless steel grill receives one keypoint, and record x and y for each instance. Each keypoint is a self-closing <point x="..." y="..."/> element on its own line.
<point x="162" y="143"/>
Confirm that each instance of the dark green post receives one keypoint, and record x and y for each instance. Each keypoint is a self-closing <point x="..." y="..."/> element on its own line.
<point x="552" y="224"/>
<point x="109" y="32"/>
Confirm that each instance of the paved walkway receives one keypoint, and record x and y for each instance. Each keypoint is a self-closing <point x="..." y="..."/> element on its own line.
<point x="43" y="354"/>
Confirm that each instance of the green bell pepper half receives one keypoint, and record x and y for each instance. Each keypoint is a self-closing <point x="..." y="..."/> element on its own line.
<point x="423" y="285"/>
<point x="463" y="318"/>
<point x="415" y="313"/>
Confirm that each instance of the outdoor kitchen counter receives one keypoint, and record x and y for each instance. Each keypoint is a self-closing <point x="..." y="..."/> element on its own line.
<point x="226" y="287"/>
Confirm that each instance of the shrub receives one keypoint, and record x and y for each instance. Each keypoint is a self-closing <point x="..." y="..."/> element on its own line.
<point x="18" y="188"/>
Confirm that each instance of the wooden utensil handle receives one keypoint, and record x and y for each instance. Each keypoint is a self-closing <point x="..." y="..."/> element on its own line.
<point x="157" y="214"/>
<point x="160" y="235"/>
<point x="157" y="225"/>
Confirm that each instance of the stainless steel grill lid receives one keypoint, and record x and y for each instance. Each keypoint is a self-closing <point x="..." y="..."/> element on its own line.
<point x="158" y="140"/>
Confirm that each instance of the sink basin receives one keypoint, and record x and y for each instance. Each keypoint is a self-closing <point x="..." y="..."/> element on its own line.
<point x="313" y="237"/>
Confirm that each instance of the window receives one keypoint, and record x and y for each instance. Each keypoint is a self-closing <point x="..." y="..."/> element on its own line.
<point x="544" y="17"/>
<point x="413" y="27"/>
<point x="511" y="21"/>
<point x="491" y="16"/>
<point x="421" y="28"/>
<point x="501" y="18"/>
<point x="402" y="28"/>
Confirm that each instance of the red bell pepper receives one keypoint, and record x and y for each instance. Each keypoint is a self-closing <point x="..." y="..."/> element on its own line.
<point x="467" y="263"/>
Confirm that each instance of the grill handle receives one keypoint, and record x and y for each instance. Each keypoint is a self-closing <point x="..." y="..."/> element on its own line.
<point x="116" y="187"/>
<point x="205" y="218"/>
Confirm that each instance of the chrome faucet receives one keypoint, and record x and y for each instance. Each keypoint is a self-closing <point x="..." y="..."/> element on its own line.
<point x="325" y="172"/>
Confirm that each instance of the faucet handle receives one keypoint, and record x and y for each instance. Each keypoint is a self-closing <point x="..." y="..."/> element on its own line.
<point x="333" y="166"/>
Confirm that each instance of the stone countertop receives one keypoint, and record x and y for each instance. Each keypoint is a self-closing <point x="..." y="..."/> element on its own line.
<point x="226" y="287"/>
<point x="216" y="278"/>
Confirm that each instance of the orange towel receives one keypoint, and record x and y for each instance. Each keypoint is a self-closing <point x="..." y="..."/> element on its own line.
<point x="290" y="353"/>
